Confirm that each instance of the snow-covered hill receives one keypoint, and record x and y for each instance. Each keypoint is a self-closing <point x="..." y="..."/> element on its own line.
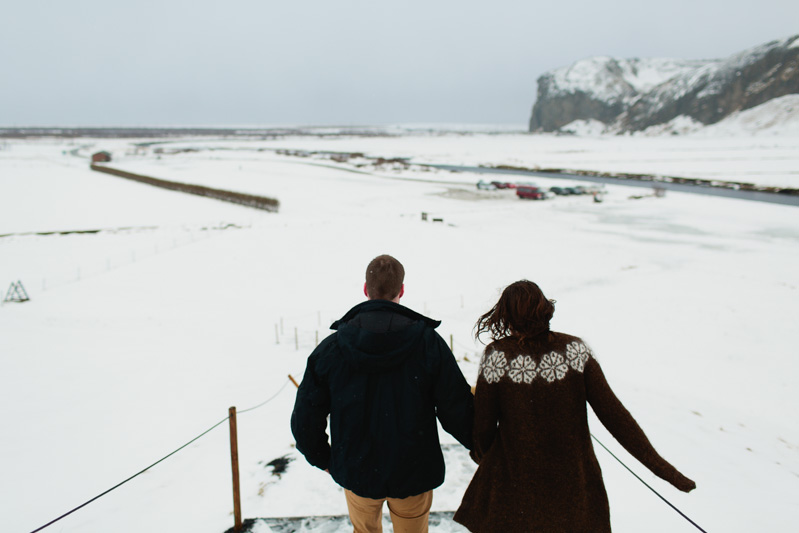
<point x="636" y="94"/>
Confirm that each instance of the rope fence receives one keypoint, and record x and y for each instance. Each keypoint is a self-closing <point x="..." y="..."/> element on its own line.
<point x="234" y="452"/>
<point x="648" y="486"/>
<point x="164" y="458"/>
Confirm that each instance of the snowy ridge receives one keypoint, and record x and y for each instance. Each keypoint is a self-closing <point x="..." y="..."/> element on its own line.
<point x="607" y="78"/>
<point x="700" y="88"/>
<point x="635" y="94"/>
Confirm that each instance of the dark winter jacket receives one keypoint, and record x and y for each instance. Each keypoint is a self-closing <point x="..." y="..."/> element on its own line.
<point x="383" y="377"/>
<point x="537" y="469"/>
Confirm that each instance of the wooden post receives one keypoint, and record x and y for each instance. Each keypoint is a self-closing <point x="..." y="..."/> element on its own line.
<point x="451" y="343"/>
<point x="234" y="458"/>
<point x="294" y="381"/>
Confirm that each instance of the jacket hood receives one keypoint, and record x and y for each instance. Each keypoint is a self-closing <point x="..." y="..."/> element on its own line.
<point x="377" y="335"/>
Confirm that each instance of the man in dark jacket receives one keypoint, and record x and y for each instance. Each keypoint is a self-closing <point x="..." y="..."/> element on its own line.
<point x="383" y="378"/>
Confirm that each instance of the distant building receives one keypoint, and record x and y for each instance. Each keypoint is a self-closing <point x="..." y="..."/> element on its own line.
<point x="101" y="157"/>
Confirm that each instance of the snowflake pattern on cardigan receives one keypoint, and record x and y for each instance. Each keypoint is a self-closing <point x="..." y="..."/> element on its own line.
<point x="494" y="367"/>
<point x="577" y="354"/>
<point x="522" y="369"/>
<point x="553" y="366"/>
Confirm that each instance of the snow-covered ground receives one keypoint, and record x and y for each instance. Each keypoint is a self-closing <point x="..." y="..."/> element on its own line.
<point x="139" y="337"/>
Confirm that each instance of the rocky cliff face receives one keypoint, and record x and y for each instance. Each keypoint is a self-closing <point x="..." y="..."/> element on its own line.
<point x="634" y="94"/>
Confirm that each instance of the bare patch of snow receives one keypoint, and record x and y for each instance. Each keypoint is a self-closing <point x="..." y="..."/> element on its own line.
<point x="585" y="128"/>
<point x="680" y="125"/>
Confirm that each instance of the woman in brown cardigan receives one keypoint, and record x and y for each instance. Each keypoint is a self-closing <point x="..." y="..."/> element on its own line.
<point x="537" y="469"/>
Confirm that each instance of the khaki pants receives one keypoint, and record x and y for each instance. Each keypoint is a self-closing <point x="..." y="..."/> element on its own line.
<point x="409" y="515"/>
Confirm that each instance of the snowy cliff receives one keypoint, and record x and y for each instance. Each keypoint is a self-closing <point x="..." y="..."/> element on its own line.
<point x="636" y="94"/>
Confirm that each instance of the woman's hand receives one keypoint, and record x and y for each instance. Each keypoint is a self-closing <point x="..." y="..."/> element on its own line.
<point x="683" y="483"/>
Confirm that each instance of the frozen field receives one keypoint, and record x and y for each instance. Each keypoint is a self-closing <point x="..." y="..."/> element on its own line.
<point x="764" y="160"/>
<point x="138" y="337"/>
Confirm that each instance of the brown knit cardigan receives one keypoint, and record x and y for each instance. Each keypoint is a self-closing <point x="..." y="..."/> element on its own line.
<point x="537" y="469"/>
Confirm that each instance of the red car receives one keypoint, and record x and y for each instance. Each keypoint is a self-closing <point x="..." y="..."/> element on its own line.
<point x="532" y="193"/>
<point x="503" y="184"/>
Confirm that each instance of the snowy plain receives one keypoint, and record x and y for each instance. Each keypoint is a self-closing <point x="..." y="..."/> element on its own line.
<point x="140" y="336"/>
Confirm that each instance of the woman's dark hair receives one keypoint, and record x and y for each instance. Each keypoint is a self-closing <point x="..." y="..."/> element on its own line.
<point x="522" y="312"/>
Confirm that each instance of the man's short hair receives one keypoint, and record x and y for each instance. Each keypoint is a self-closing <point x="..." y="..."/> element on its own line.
<point x="384" y="278"/>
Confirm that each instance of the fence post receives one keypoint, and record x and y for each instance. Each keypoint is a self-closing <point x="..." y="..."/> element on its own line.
<point x="234" y="458"/>
<point x="451" y="343"/>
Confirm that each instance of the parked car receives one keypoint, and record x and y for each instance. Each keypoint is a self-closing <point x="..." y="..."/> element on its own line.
<point x="531" y="193"/>
<point x="558" y="190"/>
<point x="486" y="186"/>
<point x="504" y="184"/>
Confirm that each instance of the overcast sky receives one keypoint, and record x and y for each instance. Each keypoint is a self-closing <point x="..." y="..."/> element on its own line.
<point x="268" y="62"/>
